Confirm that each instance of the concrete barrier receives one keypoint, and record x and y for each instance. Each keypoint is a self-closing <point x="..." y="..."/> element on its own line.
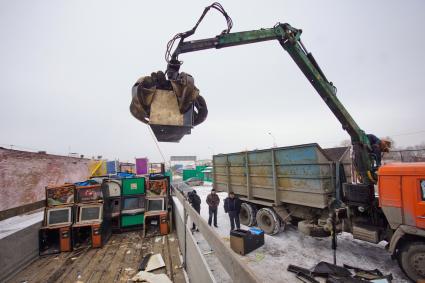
<point x="18" y="250"/>
<point x="196" y="267"/>
<point x="238" y="271"/>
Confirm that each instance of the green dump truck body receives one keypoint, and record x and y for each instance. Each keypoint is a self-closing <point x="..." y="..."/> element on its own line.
<point x="302" y="175"/>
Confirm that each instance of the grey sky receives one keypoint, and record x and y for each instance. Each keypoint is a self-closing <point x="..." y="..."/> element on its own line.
<point x="67" y="67"/>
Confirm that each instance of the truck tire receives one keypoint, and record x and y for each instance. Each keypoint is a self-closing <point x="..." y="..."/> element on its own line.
<point x="268" y="221"/>
<point x="412" y="260"/>
<point x="247" y="214"/>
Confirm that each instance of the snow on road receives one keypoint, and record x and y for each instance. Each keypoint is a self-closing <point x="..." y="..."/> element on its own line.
<point x="292" y="247"/>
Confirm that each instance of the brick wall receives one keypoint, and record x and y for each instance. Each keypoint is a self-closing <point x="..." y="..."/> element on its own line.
<point x="23" y="175"/>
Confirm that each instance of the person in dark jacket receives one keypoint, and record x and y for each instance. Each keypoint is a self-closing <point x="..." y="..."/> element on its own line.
<point x="378" y="147"/>
<point x="195" y="200"/>
<point x="212" y="200"/>
<point x="232" y="206"/>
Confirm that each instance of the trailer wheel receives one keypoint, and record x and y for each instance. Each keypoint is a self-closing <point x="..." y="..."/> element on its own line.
<point x="247" y="214"/>
<point x="412" y="260"/>
<point x="268" y="221"/>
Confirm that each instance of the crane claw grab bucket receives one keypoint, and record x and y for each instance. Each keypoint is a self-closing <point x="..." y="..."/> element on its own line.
<point x="170" y="107"/>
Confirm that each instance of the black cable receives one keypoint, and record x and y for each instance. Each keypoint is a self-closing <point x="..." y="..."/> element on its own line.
<point x="182" y="36"/>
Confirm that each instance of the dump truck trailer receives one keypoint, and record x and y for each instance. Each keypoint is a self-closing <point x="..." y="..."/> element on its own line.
<point x="282" y="184"/>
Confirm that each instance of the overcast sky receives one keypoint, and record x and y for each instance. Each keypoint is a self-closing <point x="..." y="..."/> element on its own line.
<point x="67" y="68"/>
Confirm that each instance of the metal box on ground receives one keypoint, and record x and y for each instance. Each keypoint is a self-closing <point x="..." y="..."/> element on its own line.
<point x="243" y="241"/>
<point x="133" y="186"/>
<point x="60" y="195"/>
<point x="54" y="240"/>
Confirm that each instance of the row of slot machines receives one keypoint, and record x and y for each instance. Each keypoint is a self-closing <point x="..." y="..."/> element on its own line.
<point x="75" y="216"/>
<point x="131" y="198"/>
<point x="86" y="213"/>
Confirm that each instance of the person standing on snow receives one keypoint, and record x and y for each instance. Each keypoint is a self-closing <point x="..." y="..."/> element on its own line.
<point x="195" y="200"/>
<point x="232" y="206"/>
<point x="213" y="200"/>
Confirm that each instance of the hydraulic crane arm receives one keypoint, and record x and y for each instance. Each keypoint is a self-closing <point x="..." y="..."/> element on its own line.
<point x="289" y="38"/>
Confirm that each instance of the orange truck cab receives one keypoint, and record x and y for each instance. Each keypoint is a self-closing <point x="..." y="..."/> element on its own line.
<point x="401" y="188"/>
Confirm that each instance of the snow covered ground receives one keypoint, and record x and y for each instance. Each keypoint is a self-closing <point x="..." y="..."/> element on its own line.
<point x="292" y="247"/>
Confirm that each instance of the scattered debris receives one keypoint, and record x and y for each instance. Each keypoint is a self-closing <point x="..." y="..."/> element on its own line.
<point x="148" y="277"/>
<point x="326" y="269"/>
<point x="144" y="262"/>
<point x="155" y="261"/>
<point x="339" y="274"/>
<point x="259" y="257"/>
<point x="302" y="273"/>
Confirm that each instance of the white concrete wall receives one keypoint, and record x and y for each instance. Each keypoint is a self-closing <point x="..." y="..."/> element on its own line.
<point x="196" y="267"/>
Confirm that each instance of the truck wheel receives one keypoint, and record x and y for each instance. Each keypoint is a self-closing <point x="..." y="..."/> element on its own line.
<point x="268" y="221"/>
<point x="247" y="214"/>
<point x="412" y="260"/>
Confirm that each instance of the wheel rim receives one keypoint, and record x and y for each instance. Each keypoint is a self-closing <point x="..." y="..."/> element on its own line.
<point x="266" y="221"/>
<point x="418" y="262"/>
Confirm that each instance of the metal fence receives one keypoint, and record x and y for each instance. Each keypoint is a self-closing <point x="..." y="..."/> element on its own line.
<point x="406" y="155"/>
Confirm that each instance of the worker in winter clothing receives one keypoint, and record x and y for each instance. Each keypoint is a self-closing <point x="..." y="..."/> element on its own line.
<point x="232" y="206"/>
<point x="195" y="200"/>
<point x="378" y="147"/>
<point x="212" y="200"/>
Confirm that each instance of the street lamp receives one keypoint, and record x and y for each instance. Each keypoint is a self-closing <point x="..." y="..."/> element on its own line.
<point x="274" y="139"/>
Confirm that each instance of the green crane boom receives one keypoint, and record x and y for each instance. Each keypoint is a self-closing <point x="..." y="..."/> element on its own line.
<point x="289" y="38"/>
